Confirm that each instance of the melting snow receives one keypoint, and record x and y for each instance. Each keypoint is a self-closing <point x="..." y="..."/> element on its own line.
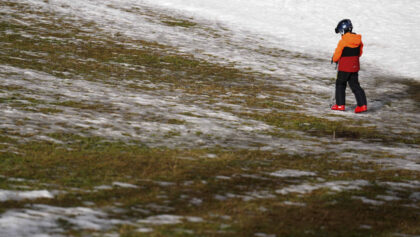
<point x="388" y="198"/>
<point x="7" y="195"/>
<point x="261" y="30"/>
<point x="144" y="230"/>
<point x="103" y="187"/>
<point x="415" y="196"/>
<point x="169" y="219"/>
<point x="124" y="185"/>
<point x="43" y="220"/>
<point x="369" y="201"/>
<point x="337" y="186"/>
<point x="292" y="173"/>
<point x="299" y="204"/>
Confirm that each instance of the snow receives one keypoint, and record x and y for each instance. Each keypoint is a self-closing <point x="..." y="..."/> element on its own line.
<point x="224" y="124"/>
<point x="264" y="235"/>
<point x="7" y="195"/>
<point x="43" y="220"/>
<point x="388" y="198"/>
<point x="298" y="204"/>
<point x="241" y="43"/>
<point x="337" y="186"/>
<point x="124" y="185"/>
<point x="167" y="219"/>
<point x="196" y="201"/>
<point x="388" y="27"/>
<point x="415" y="196"/>
<point x="103" y="187"/>
<point x="291" y="173"/>
<point x="400" y="186"/>
<point x="368" y="201"/>
<point x="247" y="196"/>
<point x="222" y="177"/>
<point x="144" y="230"/>
<point x="253" y="27"/>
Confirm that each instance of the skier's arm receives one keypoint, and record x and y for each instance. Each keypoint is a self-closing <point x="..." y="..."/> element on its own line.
<point x="338" y="51"/>
<point x="361" y="49"/>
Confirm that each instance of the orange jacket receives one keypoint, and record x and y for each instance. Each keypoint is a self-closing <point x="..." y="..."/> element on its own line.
<point x="348" y="51"/>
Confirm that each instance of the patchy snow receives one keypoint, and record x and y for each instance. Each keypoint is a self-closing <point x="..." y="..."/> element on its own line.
<point x="223" y="177"/>
<point x="248" y="48"/>
<point x="401" y="186"/>
<point x="337" y="186"/>
<point x="368" y="201"/>
<point x="43" y="220"/>
<point x="258" y="35"/>
<point x="298" y="204"/>
<point x="103" y="187"/>
<point x="162" y="220"/>
<point x="388" y="198"/>
<point x="7" y="195"/>
<point x="247" y="196"/>
<point x="264" y="235"/>
<point x="291" y="173"/>
<point x="144" y="230"/>
<point x="169" y="219"/>
<point x="415" y="196"/>
<point x="196" y="201"/>
<point x="124" y="185"/>
<point x="223" y="124"/>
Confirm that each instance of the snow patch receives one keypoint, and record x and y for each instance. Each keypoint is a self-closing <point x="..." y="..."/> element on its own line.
<point x="144" y="230"/>
<point x="7" y="195"/>
<point x="168" y="220"/>
<point x="43" y="220"/>
<point x="291" y="173"/>
<point x="124" y="185"/>
<point x="337" y="186"/>
<point x="415" y="196"/>
<point x="388" y="198"/>
<point x="299" y="204"/>
<point x="368" y="201"/>
<point x="103" y="187"/>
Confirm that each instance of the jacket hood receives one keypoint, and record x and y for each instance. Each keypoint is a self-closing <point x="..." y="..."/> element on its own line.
<point x="352" y="40"/>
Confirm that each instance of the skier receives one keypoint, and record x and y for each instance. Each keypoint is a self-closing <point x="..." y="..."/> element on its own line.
<point x="347" y="54"/>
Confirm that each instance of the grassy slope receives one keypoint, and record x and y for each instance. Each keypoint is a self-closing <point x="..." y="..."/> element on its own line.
<point x="85" y="162"/>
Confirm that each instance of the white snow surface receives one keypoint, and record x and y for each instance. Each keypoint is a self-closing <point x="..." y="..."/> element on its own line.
<point x="389" y="28"/>
<point x="124" y="185"/>
<point x="8" y="195"/>
<point x="291" y="173"/>
<point x="42" y="220"/>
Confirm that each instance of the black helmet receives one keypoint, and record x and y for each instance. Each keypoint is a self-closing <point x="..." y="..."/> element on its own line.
<point x="344" y="26"/>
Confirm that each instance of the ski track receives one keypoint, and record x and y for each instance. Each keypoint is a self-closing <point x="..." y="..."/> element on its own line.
<point x="244" y="48"/>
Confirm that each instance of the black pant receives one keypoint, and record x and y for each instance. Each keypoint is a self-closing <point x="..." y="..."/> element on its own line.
<point x="340" y="88"/>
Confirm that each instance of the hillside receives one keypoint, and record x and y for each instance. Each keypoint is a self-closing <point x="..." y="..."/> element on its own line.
<point x="133" y="120"/>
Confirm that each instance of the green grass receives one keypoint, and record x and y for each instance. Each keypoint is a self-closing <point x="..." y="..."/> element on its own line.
<point x="86" y="162"/>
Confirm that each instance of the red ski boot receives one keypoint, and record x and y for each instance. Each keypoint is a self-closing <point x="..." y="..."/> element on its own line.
<point x="360" y="109"/>
<point x="339" y="107"/>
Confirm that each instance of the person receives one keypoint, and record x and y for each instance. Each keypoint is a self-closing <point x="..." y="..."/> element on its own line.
<point x="347" y="54"/>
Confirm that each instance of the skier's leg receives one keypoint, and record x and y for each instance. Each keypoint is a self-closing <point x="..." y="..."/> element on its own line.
<point x="340" y="88"/>
<point x="358" y="92"/>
